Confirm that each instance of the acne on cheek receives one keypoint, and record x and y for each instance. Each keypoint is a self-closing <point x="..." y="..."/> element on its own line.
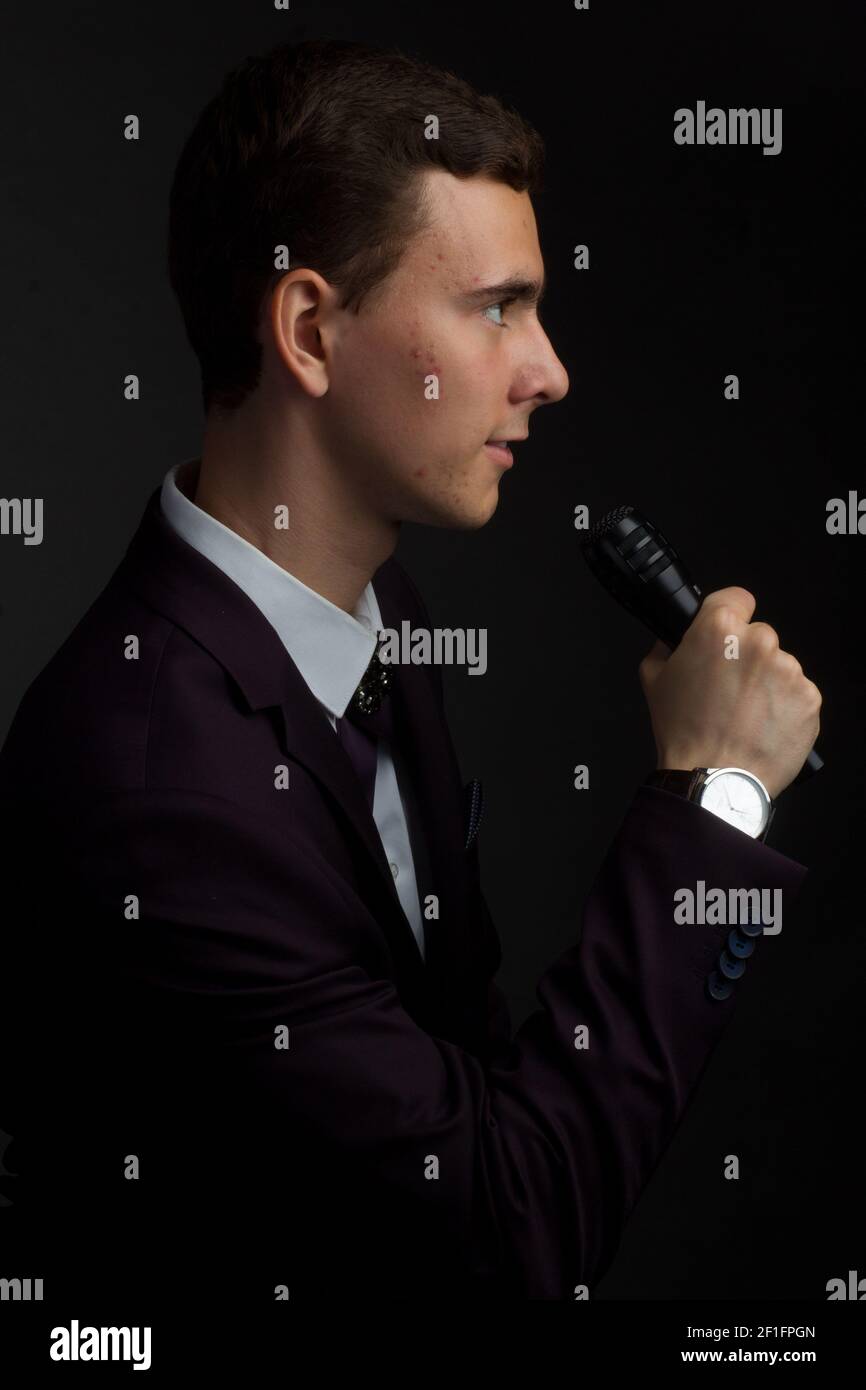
<point x="423" y="358"/>
<point x="424" y="365"/>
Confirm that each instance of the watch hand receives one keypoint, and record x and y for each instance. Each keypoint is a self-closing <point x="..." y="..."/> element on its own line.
<point x="735" y="805"/>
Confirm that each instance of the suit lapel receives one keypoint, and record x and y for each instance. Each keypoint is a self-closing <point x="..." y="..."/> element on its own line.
<point x="186" y="587"/>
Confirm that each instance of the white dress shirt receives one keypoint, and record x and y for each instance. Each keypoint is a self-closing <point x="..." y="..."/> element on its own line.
<point x="331" y="649"/>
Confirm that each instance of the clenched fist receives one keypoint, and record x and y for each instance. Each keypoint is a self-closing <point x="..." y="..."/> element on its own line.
<point x="711" y="708"/>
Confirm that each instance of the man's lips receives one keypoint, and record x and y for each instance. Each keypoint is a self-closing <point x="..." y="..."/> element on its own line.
<point x="501" y="452"/>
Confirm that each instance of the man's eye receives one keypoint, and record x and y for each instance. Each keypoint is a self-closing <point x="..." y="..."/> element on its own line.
<point x="500" y="304"/>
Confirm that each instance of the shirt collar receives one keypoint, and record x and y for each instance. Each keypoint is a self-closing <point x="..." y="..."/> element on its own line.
<point x="331" y="648"/>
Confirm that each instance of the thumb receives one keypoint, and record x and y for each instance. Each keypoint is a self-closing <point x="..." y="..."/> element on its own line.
<point x="653" y="662"/>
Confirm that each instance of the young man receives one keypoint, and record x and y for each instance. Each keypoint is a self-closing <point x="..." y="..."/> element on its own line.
<point x="262" y="1029"/>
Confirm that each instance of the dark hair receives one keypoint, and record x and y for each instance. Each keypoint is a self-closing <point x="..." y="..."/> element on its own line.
<point x="318" y="146"/>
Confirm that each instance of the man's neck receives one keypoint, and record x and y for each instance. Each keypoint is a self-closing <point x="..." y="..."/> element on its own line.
<point x="309" y="530"/>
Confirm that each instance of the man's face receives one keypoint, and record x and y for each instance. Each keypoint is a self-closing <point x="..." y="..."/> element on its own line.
<point x="424" y="375"/>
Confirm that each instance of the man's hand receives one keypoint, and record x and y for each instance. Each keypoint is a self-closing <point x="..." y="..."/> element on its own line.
<point x="756" y="710"/>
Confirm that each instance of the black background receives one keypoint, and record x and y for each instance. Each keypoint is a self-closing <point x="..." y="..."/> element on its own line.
<point x="703" y="261"/>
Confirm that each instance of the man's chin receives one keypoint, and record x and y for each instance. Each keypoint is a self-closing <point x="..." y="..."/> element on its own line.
<point x="470" y="515"/>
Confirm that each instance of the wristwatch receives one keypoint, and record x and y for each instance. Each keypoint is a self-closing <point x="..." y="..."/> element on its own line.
<point x="737" y="796"/>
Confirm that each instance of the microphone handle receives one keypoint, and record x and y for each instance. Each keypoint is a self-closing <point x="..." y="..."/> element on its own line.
<point x="669" y="623"/>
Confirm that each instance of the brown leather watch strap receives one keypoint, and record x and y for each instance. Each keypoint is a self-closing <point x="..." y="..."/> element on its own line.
<point x="680" y="780"/>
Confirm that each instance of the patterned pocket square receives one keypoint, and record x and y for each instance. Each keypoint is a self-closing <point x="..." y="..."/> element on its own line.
<point x="473" y="798"/>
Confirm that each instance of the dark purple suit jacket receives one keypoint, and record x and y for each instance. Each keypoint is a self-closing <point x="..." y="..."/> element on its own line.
<point x="402" y="1144"/>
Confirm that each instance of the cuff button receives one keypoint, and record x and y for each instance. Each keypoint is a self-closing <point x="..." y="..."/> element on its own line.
<point x="717" y="987"/>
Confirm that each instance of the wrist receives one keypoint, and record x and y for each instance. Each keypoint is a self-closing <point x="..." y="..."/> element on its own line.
<point x="687" y="759"/>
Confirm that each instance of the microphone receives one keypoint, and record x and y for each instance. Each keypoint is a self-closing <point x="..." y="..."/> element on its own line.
<point x="643" y="572"/>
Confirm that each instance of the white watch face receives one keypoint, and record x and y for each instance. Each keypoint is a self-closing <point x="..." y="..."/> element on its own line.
<point x="737" y="798"/>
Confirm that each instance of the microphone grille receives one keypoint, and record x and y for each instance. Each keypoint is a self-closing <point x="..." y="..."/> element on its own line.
<point x="600" y="529"/>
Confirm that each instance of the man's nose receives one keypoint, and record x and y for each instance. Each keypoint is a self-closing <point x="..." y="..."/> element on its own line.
<point x="553" y="383"/>
<point x="559" y="378"/>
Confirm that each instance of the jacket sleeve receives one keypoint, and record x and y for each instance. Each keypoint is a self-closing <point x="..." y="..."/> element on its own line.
<point x="542" y="1152"/>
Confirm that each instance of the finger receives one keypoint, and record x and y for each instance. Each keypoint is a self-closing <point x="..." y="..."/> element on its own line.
<point x="742" y="602"/>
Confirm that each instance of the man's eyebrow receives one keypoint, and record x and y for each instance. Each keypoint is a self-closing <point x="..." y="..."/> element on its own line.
<point x="531" y="291"/>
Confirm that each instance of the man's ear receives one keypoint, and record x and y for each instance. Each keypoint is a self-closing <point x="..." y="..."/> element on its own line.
<point x="299" y="304"/>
